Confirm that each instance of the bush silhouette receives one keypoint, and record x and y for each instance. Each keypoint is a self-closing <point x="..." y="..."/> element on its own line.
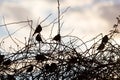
<point x="62" y="60"/>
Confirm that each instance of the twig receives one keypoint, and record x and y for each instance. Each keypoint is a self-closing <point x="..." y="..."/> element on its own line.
<point x="12" y="33"/>
<point x="45" y="18"/>
<point x="8" y="31"/>
<point x="15" y="23"/>
<point x="58" y="16"/>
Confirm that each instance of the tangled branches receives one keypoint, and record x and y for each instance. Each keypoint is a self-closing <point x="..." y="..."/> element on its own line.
<point x="62" y="58"/>
<point x="69" y="58"/>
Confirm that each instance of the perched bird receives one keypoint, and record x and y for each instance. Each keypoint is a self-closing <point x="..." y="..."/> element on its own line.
<point x="73" y="60"/>
<point x="7" y="62"/>
<point x="105" y="39"/>
<point x="57" y="38"/>
<point x="11" y="77"/>
<point x="38" y="38"/>
<point x="30" y="68"/>
<point x="39" y="57"/>
<point x="68" y="68"/>
<point x="53" y="67"/>
<point x="38" y="29"/>
<point x="47" y="67"/>
<point x="115" y="25"/>
<point x="1" y="58"/>
<point x="118" y="20"/>
<point x="50" y="68"/>
<point x="101" y="46"/>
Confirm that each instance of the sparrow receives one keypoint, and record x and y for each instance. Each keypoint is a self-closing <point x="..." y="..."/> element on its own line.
<point x="38" y="29"/>
<point x="30" y="68"/>
<point x="115" y="25"/>
<point x="57" y="38"/>
<point x="7" y="62"/>
<point x="105" y="39"/>
<point x="101" y="46"/>
<point x="118" y="20"/>
<point x="11" y="77"/>
<point x="68" y="68"/>
<point x="39" y="57"/>
<point x="38" y="38"/>
<point x="1" y="58"/>
<point x="47" y="67"/>
<point x="73" y="60"/>
<point x="53" y="67"/>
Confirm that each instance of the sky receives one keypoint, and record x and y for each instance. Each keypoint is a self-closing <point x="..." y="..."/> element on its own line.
<point x="84" y="18"/>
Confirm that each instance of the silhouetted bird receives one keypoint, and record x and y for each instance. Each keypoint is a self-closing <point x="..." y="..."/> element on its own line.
<point x="30" y="68"/>
<point x="1" y="58"/>
<point x="105" y="39"/>
<point x="10" y="77"/>
<point x="38" y="29"/>
<point x="38" y="38"/>
<point x="73" y="60"/>
<point x="101" y="46"/>
<point x="7" y="62"/>
<point x="57" y="38"/>
<point x="39" y="57"/>
<point x="50" y="68"/>
<point x="47" y="67"/>
<point x="68" y="68"/>
<point x="53" y="67"/>
<point x="118" y="20"/>
<point x="115" y="25"/>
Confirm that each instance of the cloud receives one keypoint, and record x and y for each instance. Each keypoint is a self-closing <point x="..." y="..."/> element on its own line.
<point x="110" y="13"/>
<point x="86" y="17"/>
<point x="14" y="11"/>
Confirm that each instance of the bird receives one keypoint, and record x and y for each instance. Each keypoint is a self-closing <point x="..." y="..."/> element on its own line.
<point x="115" y="25"/>
<point x="38" y="29"/>
<point x="101" y="46"/>
<point x="47" y="67"/>
<point x="68" y="68"/>
<point x="118" y="20"/>
<point x="1" y="58"/>
<point x="53" y="67"/>
<point x="30" y="68"/>
<point x="57" y="38"/>
<point x="11" y="77"/>
<point x="38" y="38"/>
<point x="105" y="39"/>
<point x="39" y="57"/>
<point x="73" y="60"/>
<point x="7" y="62"/>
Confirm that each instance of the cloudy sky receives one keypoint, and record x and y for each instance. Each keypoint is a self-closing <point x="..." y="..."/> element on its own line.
<point x="84" y="18"/>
